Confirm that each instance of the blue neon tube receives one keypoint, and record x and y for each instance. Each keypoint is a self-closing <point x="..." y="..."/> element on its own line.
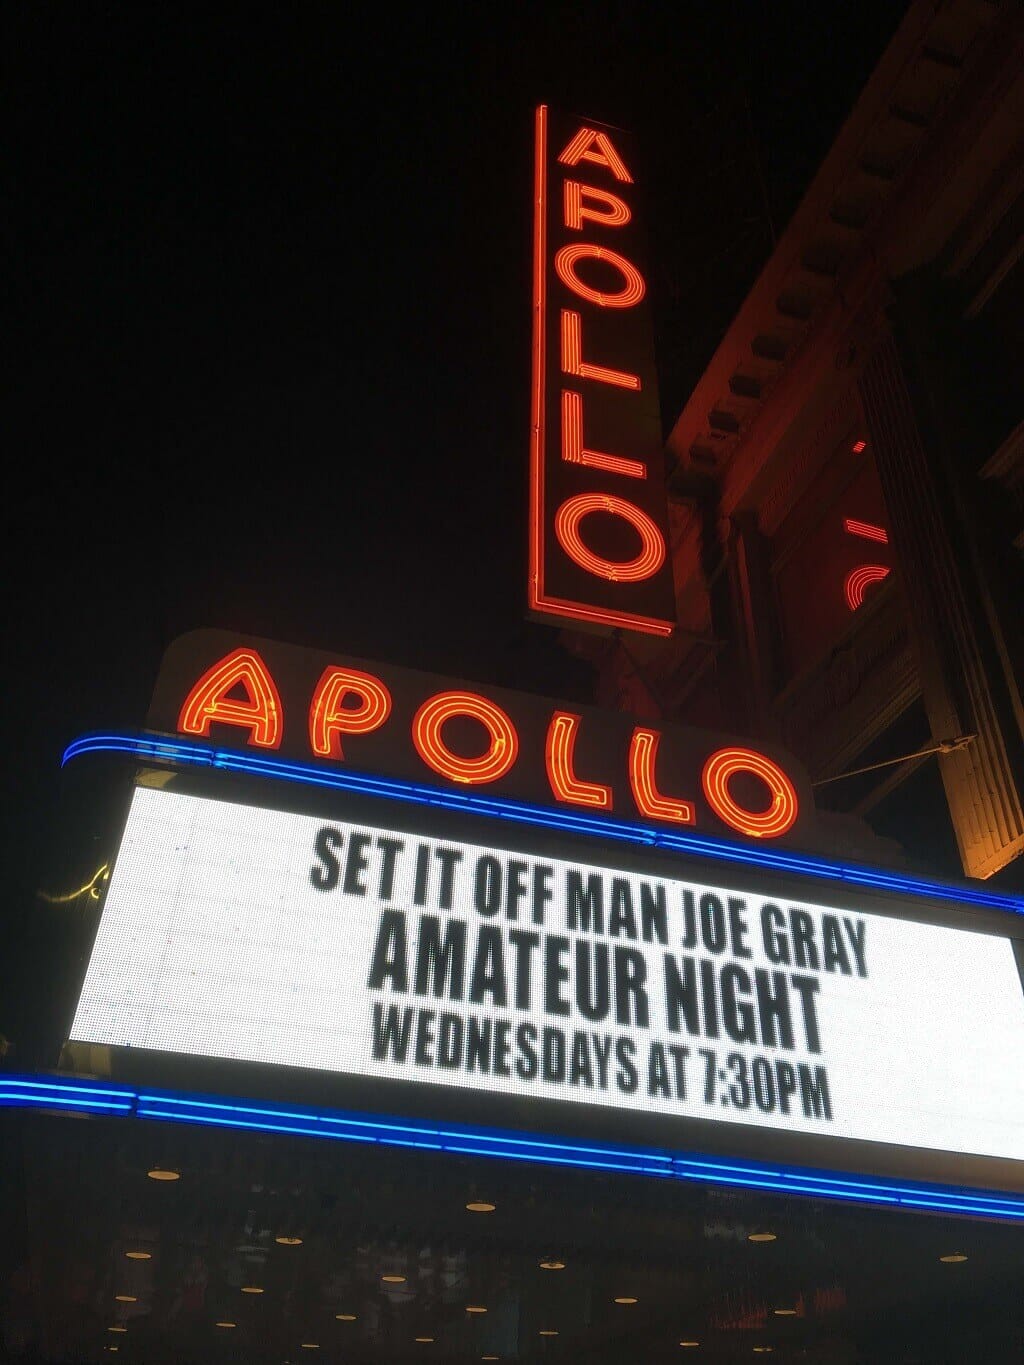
<point x="186" y="753"/>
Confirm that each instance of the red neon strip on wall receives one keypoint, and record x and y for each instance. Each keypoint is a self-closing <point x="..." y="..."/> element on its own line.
<point x="572" y="443"/>
<point x="535" y="586"/>
<point x="574" y="364"/>
<point x="581" y="148"/>
<point x="866" y="530"/>
<point x="208" y="702"/>
<point x="859" y="580"/>
<point x="643" y="756"/>
<point x="559" y="751"/>
<point x="780" y="816"/>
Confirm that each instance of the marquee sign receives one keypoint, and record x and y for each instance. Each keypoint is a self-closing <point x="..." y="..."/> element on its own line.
<point x="371" y="951"/>
<point x="599" y="551"/>
<point x="340" y="711"/>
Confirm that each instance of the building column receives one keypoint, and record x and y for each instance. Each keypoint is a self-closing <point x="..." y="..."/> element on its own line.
<point x="951" y="615"/>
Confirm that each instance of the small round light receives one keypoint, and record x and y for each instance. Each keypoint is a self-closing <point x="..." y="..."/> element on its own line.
<point x="117" y="1329"/>
<point x="345" y="1317"/>
<point x="139" y="1255"/>
<point x="785" y="1312"/>
<point x="475" y="1308"/>
<point x="161" y="1173"/>
<point x="251" y="1289"/>
<point x="761" y="1237"/>
<point x="126" y="1298"/>
<point x="626" y="1300"/>
<point x="552" y="1264"/>
<point x="547" y="1332"/>
<point x="425" y="1340"/>
<point x="393" y="1279"/>
<point x="480" y="1206"/>
<point x="225" y="1324"/>
<point x="689" y="1343"/>
<point x="763" y="1350"/>
<point x="288" y="1241"/>
<point x="953" y="1258"/>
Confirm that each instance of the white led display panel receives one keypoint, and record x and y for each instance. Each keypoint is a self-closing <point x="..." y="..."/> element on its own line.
<point x="235" y="932"/>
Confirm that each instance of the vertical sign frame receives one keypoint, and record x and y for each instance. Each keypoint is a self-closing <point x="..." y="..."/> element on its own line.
<point x="599" y="552"/>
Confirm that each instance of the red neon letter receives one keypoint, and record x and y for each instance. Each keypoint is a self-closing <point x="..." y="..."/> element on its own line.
<point x="581" y="148"/>
<point x="428" y="723"/>
<point x="330" y="718"/>
<point x="780" y="816"/>
<point x="613" y="211"/>
<point x="859" y="580"/>
<point x="260" y="712"/>
<point x="652" y="546"/>
<point x="628" y="296"/>
<point x="574" y="364"/>
<point x="572" y="443"/>
<point x="643" y="755"/>
<point x="559" y="750"/>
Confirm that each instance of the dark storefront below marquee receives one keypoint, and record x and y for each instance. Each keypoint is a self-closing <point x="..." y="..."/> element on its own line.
<point x="838" y="1283"/>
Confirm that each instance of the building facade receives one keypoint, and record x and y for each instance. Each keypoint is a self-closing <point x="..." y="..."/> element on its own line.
<point x="847" y="476"/>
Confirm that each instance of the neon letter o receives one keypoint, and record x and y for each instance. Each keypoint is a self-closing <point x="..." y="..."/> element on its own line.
<point x="780" y="816"/>
<point x="429" y="721"/>
<point x="628" y="296"/>
<point x="567" y="529"/>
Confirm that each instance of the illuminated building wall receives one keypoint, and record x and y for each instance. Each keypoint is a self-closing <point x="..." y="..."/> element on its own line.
<point x="847" y="476"/>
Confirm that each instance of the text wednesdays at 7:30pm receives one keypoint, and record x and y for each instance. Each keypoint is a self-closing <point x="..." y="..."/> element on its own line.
<point x="565" y="977"/>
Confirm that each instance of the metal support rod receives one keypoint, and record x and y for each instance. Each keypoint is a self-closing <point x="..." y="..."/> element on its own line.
<point x="944" y="746"/>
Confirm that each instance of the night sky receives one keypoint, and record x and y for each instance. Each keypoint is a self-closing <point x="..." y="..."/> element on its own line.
<point x="269" y="272"/>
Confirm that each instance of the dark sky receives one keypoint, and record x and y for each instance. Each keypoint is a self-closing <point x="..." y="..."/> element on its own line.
<point x="270" y="288"/>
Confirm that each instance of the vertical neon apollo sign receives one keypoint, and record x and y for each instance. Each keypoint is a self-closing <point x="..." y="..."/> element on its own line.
<point x="598" y="539"/>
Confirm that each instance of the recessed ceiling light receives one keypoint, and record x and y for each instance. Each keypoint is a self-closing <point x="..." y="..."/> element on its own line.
<point x="224" y="1324"/>
<point x="117" y="1329"/>
<point x="345" y="1317"/>
<point x="425" y="1340"/>
<point x="625" y="1300"/>
<point x="251" y="1289"/>
<point x="552" y="1264"/>
<point x="139" y="1255"/>
<point x="393" y="1279"/>
<point x="288" y="1241"/>
<point x="785" y="1312"/>
<point x="547" y="1332"/>
<point x="480" y="1206"/>
<point x="162" y="1173"/>
<point x="954" y="1258"/>
<point x="126" y="1298"/>
<point x="689" y="1343"/>
<point x="475" y="1308"/>
<point x="761" y="1237"/>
